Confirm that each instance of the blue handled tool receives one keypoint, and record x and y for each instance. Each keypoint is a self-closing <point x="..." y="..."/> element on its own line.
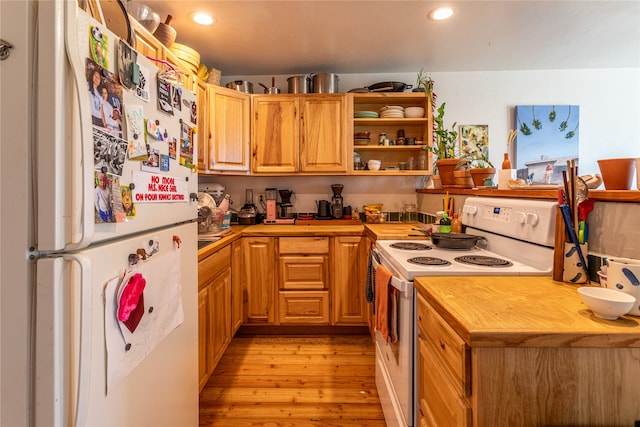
<point x="568" y="223"/>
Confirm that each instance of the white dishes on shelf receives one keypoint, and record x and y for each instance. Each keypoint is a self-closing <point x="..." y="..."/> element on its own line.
<point x="392" y="111"/>
<point x="374" y="165"/>
<point x="414" y="112"/>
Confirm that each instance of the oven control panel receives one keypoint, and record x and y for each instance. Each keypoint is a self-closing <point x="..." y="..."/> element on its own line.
<point x="524" y="219"/>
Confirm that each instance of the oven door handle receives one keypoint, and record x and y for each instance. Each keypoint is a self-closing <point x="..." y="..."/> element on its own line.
<point x="404" y="286"/>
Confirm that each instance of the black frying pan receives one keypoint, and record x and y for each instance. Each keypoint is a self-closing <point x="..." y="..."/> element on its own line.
<point x="452" y="240"/>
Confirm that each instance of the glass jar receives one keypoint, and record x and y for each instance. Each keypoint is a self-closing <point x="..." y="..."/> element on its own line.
<point x="410" y="213"/>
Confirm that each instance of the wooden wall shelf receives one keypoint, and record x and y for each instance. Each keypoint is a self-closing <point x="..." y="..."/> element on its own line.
<point x="630" y="196"/>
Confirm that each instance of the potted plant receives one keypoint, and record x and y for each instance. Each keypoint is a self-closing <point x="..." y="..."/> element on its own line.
<point x="479" y="165"/>
<point x="444" y="148"/>
<point x="423" y="82"/>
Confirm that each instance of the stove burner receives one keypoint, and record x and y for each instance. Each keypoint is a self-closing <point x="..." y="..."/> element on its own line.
<point x="425" y="260"/>
<point x="486" y="261"/>
<point x="410" y="246"/>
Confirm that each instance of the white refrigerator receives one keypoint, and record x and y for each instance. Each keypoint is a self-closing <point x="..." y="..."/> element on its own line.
<point x="106" y="226"/>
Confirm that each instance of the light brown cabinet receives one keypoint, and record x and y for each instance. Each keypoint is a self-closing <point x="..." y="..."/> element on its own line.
<point x="214" y="310"/>
<point x="203" y="134"/>
<point x="549" y="363"/>
<point x="259" y="280"/>
<point x="348" y="274"/>
<point x="418" y="128"/>
<point x="228" y="140"/>
<point x="299" y="133"/>
<point x="443" y="365"/>
<point x="303" y="291"/>
<point x="237" y="295"/>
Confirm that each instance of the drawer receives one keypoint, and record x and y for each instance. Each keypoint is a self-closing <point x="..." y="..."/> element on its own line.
<point x="440" y="402"/>
<point x="304" y="307"/>
<point x="304" y="272"/>
<point x="212" y="265"/>
<point x="446" y="344"/>
<point x="304" y="245"/>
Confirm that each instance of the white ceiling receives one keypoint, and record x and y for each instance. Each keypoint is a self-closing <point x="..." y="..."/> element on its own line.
<point x="311" y="36"/>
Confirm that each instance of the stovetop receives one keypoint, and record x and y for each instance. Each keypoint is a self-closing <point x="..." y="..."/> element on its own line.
<point x="448" y="262"/>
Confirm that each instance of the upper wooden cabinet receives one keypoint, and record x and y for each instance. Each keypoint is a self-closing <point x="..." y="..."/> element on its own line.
<point x="228" y="120"/>
<point x="299" y="133"/>
<point x="202" y="135"/>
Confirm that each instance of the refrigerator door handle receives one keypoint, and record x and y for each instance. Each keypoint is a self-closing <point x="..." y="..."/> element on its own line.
<point x="83" y="188"/>
<point x="84" y="344"/>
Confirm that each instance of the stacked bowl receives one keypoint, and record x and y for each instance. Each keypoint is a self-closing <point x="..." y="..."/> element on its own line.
<point x="414" y="112"/>
<point x="361" y="138"/>
<point x="392" y="111"/>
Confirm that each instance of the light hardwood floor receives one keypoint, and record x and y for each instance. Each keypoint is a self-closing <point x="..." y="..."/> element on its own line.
<point x="324" y="381"/>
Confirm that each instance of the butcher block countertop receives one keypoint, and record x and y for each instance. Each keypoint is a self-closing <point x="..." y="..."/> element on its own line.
<point x="395" y="231"/>
<point x="387" y="231"/>
<point x="523" y="311"/>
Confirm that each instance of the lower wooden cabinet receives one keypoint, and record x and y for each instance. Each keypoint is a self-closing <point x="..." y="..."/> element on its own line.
<point x="443" y="366"/>
<point x="214" y="311"/>
<point x="259" y="280"/>
<point x="237" y="294"/>
<point x="348" y="275"/>
<point x="303" y="285"/>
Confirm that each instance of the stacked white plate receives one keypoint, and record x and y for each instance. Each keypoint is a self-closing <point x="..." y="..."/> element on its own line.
<point x="392" y="111"/>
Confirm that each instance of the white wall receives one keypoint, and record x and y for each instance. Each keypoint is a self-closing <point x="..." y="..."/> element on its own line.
<point x="609" y="101"/>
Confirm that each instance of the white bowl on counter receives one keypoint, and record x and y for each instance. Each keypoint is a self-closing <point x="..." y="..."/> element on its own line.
<point x="606" y="303"/>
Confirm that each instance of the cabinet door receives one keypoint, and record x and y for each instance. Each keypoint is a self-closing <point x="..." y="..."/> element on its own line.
<point x="220" y="295"/>
<point x="229" y="129"/>
<point x="146" y="43"/>
<point x="275" y="134"/>
<point x="237" y="272"/>
<point x="323" y="133"/>
<point x="438" y="398"/>
<point x="205" y="362"/>
<point x="203" y="135"/>
<point x="348" y="277"/>
<point x="259" y="280"/>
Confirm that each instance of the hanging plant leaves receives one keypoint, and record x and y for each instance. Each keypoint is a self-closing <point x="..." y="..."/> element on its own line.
<point x="572" y="133"/>
<point x="537" y="124"/>
<point x="525" y="129"/>
<point x="552" y="114"/>
<point x="564" y="124"/>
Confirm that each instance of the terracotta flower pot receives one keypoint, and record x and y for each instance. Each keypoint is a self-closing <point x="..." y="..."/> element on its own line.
<point x="462" y="179"/>
<point x="480" y="174"/>
<point x="617" y="174"/>
<point x="445" y="170"/>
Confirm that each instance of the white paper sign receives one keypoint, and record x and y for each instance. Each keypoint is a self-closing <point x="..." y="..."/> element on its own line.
<point x="153" y="188"/>
<point x="163" y="293"/>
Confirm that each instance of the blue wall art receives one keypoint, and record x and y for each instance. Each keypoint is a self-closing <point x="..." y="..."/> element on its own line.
<point x="547" y="139"/>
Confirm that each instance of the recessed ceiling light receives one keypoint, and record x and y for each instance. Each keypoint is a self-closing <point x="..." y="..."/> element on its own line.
<point x="441" y="13"/>
<point x="203" y="19"/>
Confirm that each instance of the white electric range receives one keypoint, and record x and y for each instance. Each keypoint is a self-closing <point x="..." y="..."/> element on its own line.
<point x="518" y="240"/>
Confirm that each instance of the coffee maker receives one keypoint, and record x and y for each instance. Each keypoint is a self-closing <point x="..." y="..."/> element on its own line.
<point x="336" y="201"/>
<point x="286" y="207"/>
